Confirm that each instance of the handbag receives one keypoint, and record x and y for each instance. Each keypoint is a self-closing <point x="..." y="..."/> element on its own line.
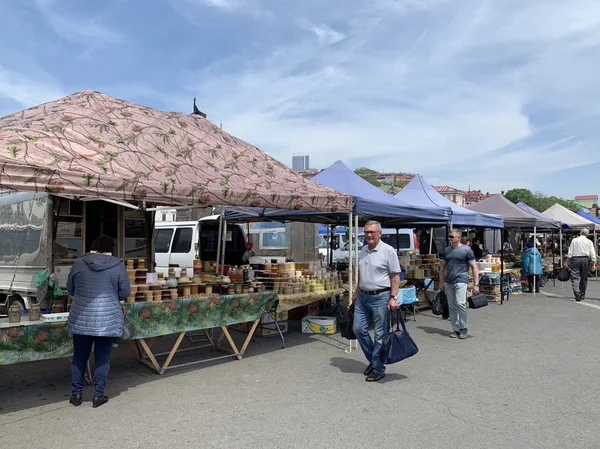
<point x="445" y="309"/>
<point x="397" y="345"/>
<point x="347" y="324"/>
<point x="437" y="305"/>
<point x="564" y="274"/>
<point x="128" y="330"/>
<point x="477" y="301"/>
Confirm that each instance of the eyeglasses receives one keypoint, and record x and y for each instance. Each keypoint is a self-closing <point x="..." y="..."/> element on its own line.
<point x="371" y="232"/>
<point x="452" y="237"/>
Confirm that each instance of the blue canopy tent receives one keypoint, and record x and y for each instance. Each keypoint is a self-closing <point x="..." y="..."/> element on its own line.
<point x="419" y="192"/>
<point x="531" y="210"/>
<point x="588" y="216"/>
<point x="369" y="203"/>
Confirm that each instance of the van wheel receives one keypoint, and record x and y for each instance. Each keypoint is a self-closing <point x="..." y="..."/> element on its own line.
<point x="19" y="302"/>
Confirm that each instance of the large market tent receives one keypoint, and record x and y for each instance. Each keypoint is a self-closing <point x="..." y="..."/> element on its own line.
<point x="588" y="216"/>
<point x="370" y="203"/>
<point x="92" y="145"/>
<point x="419" y="192"/>
<point x="531" y="210"/>
<point x="564" y="215"/>
<point x="514" y="216"/>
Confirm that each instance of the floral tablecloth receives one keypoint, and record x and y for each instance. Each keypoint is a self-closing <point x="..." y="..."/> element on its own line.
<point x="288" y="302"/>
<point x="28" y="341"/>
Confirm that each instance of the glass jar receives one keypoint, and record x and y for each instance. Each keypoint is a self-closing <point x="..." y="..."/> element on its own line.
<point x="35" y="312"/>
<point x="14" y="314"/>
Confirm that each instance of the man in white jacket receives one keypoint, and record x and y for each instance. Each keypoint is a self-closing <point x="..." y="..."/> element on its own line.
<point x="580" y="258"/>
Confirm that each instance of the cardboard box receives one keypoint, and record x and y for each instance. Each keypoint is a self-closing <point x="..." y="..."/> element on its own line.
<point x="269" y="330"/>
<point x="489" y="289"/>
<point x="241" y="327"/>
<point x="493" y="297"/>
<point x="313" y="309"/>
<point x="269" y="317"/>
<point x="319" y="325"/>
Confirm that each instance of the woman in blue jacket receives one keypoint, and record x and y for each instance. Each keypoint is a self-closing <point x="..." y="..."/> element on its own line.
<point x="532" y="266"/>
<point x="97" y="282"/>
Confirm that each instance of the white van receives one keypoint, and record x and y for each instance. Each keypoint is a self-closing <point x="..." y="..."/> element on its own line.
<point x="178" y="243"/>
<point x="401" y="240"/>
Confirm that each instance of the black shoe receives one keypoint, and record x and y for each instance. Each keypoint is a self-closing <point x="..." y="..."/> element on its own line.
<point x="577" y="297"/>
<point x="374" y="377"/>
<point x="76" y="399"/>
<point x="581" y="297"/>
<point x="454" y="334"/>
<point x="368" y="370"/>
<point x="99" y="400"/>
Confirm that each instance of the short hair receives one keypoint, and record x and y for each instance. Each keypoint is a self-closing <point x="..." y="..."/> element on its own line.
<point x="103" y="244"/>
<point x="456" y="233"/>
<point x="585" y="232"/>
<point x="373" y="223"/>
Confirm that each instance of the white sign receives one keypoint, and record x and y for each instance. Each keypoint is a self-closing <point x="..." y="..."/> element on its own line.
<point x="229" y="236"/>
<point x="66" y="229"/>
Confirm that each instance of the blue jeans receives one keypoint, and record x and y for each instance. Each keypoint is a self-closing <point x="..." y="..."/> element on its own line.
<point x="372" y="309"/>
<point x="82" y="347"/>
<point x="457" y="306"/>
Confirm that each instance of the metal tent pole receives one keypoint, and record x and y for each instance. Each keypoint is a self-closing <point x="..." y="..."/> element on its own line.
<point x="534" y="267"/>
<point x="219" y="241"/>
<point x="350" y="267"/>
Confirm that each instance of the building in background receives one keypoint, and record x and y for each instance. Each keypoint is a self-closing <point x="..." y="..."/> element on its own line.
<point x="587" y="201"/>
<point x="457" y="196"/>
<point x="300" y="162"/>
<point x="475" y="196"/>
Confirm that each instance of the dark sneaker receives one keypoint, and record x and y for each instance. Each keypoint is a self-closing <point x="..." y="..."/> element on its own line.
<point x="76" y="399"/>
<point x="374" y="377"/>
<point x="463" y="334"/>
<point x="454" y="334"/>
<point x="577" y="297"/>
<point x="99" y="400"/>
<point x="581" y="297"/>
<point x="368" y="370"/>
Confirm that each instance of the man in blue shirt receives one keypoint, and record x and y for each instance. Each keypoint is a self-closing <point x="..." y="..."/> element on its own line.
<point x="377" y="293"/>
<point x="454" y="277"/>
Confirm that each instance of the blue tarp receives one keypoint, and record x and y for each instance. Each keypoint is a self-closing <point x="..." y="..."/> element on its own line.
<point x="532" y="211"/>
<point x="588" y="216"/>
<point x="339" y="230"/>
<point x="370" y="203"/>
<point x="418" y="191"/>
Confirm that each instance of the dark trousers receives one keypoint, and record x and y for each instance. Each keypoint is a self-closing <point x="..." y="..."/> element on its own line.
<point x="579" y="274"/>
<point x="537" y="282"/>
<point x="82" y="347"/>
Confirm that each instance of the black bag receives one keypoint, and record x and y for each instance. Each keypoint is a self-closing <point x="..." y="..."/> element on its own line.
<point x="397" y="345"/>
<point x="564" y="274"/>
<point x="445" y="309"/>
<point x="478" y="301"/>
<point x="347" y="323"/>
<point x="437" y="305"/>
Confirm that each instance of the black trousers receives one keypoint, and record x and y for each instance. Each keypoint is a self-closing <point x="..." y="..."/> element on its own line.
<point x="537" y="282"/>
<point x="579" y="274"/>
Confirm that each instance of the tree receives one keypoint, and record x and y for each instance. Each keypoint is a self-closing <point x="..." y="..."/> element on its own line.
<point x="367" y="174"/>
<point x="521" y="195"/>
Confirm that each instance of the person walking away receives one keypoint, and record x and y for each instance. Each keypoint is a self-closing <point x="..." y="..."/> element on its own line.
<point x="454" y="277"/>
<point x="97" y="282"/>
<point x="476" y="247"/>
<point x="377" y="293"/>
<point x="531" y="262"/>
<point x="580" y="258"/>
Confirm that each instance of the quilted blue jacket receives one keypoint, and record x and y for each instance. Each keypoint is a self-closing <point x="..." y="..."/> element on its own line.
<point x="531" y="261"/>
<point x="97" y="282"/>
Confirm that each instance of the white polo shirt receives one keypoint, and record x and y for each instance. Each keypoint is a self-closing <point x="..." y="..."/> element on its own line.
<point x="376" y="266"/>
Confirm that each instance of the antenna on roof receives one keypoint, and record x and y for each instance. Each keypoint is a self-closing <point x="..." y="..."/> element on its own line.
<point x="221" y="124"/>
<point x="198" y="111"/>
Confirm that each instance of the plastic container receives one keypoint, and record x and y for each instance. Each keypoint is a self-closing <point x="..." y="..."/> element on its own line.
<point x="318" y="325"/>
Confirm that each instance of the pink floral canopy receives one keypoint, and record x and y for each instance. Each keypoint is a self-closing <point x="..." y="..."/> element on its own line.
<point x="91" y="144"/>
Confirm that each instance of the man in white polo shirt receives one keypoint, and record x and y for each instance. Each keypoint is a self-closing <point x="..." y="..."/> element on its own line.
<point x="377" y="293"/>
<point x="581" y="254"/>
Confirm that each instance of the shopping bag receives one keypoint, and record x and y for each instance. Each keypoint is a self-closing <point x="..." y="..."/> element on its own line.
<point x="437" y="304"/>
<point x="445" y="309"/>
<point x="477" y="301"/>
<point x="564" y="274"/>
<point x="347" y="324"/>
<point x="128" y="330"/>
<point x="398" y="345"/>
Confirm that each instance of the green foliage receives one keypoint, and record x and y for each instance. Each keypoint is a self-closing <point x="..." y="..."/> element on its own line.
<point x="520" y="195"/>
<point x="365" y="171"/>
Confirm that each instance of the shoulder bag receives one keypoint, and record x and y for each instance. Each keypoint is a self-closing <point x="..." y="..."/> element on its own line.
<point x="398" y="345"/>
<point x="347" y="324"/>
<point x="477" y="301"/>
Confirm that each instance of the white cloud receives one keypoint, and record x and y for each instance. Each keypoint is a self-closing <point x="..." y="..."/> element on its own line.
<point x="27" y="91"/>
<point x="421" y="86"/>
<point x="77" y="28"/>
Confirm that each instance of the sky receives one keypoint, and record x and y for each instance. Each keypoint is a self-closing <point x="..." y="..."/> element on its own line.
<point x="486" y="94"/>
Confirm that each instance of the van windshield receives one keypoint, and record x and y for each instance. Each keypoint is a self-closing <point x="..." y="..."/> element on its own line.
<point x="396" y="241"/>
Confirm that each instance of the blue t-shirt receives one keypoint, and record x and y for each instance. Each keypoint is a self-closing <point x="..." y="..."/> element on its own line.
<point x="457" y="264"/>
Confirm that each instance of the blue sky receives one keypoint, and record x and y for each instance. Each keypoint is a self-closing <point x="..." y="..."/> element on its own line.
<point x="492" y="94"/>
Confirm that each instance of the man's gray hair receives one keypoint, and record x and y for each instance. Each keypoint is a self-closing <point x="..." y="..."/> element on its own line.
<point x="585" y="232"/>
<point x="455" y="232"/>
<point x="373" y="223"/>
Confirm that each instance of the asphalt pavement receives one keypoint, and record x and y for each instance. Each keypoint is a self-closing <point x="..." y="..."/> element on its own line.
<point x="525" y="378"/>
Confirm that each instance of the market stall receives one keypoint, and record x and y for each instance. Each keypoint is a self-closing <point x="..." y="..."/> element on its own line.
<point x="101" y="164"/>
